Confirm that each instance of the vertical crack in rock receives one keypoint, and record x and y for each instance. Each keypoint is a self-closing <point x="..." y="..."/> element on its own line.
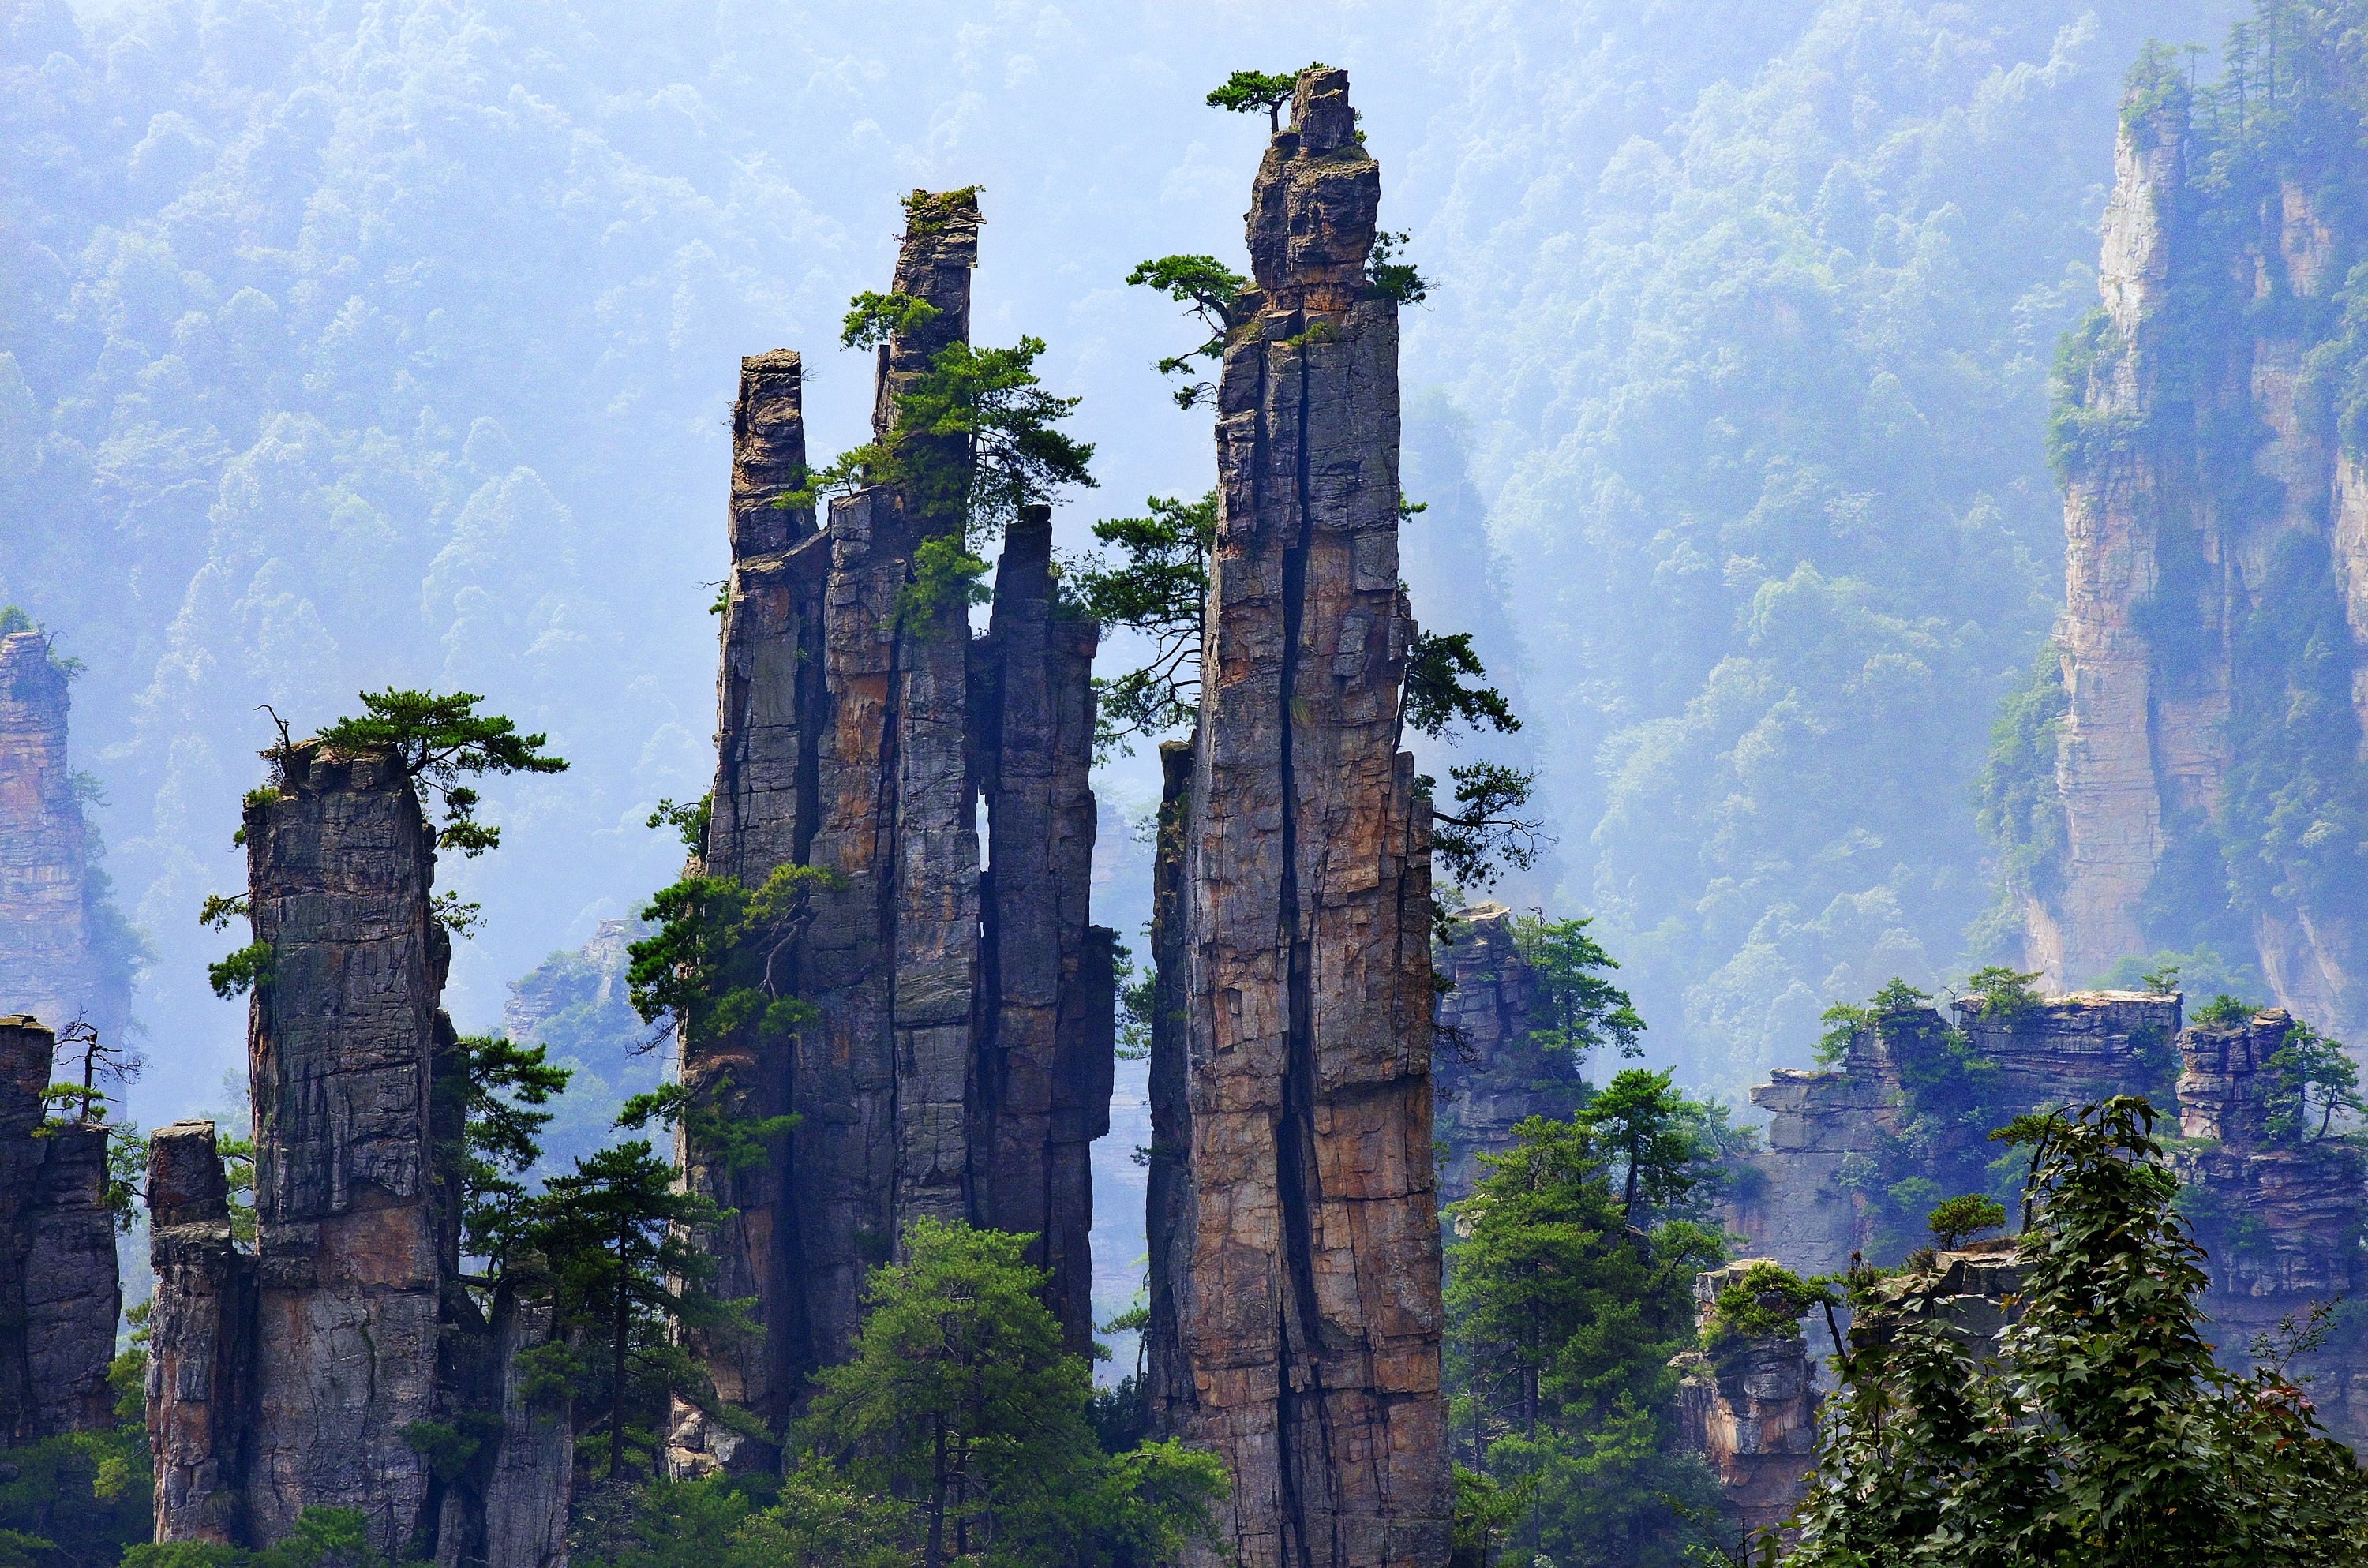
<point x="200" y="1351"/>
<point x="50" y="966"/>
<point x="59" y="1296"/>
<point x="1301" y="1270"/>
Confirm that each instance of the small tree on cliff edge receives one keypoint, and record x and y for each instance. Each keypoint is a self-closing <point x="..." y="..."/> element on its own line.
<point x="438" y="742"/>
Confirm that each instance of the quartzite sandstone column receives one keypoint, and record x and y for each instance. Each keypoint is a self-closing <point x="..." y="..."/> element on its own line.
<point x="49" y="968"/>
<point x="1047" y="997"/>
<point x="200" y="1331"/>
<point x="768" y="698"/>
<point x="59" y="1299"/>
<point x="1307" y="1303"/>
<point x="341" y="1038"/>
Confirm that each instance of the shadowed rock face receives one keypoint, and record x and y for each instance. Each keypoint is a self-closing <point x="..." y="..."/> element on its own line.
<point x="960" y="1063"/>
<point x="49" y="966"/>
<point x="1304" y="1265"/>
<point x="1486" y="1076"/>
<point x="58" y="1297"/>
<point x="200" y="1329"/>
<point x="287" y="1378"/>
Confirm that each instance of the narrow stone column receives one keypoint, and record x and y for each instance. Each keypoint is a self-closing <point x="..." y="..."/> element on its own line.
<point x="200" y="1340"/>
<point x="527" y="1495"/>
<point x="1748" y="1406"/>
<point x="769" y="714"/>
<point x="1167" y="1196"/>
<point x="1309" y="1310"/>
<point x="341" y="1036"/>
<point x="1488" y="1076"/>
<point x="1046" y="1006"/>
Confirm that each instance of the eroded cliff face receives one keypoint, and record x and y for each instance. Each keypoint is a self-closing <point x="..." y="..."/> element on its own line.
<point x="1486" y="1077"/>
<point x="59" y="1296"/>
<point x="1805" y="1200"/>
<point x="959" y="1066"/>
<point x="2278" y="1208"/>
<point x="1748" y="1405"/>
<point x="290" y="1378"/>
<point x="2215" y="618"/>
<point x="50" y="965"/>
<point x="1303" y="1269"/>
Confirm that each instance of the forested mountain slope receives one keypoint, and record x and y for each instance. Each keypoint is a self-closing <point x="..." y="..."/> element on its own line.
<point x="355" y="343"/>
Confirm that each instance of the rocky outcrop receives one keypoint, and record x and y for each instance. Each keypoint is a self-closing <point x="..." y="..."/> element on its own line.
<point x="59" y="1296"/>
<point x="2215" y="608"/>
<point x="1487" y="1078"/>
<point x="200" y="1341"/>
<point x="1748" y="1405"/>
<point x="52" y="918"/>
<point x="2279" y="1210"/>
<point x="1795" y="1203"/>
<point x="1304" y="1270"/>
<point x="1048" y="982"/>
<point x="959" y="1062"/>
<point x="303" y="1375"/>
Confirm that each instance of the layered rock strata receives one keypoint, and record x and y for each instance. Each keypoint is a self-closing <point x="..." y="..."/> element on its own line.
<point x="1304" y="1268"/>
<point x="51" y="965"/>
<point x="959" y="1065"/>
<point x="59" y="1295"/>
<point x="1749" y="1405"/>
<point x="2278" y="1208"/>
<point x="297" y="1376"/>
<point x="2216" y="564"/>
<point x="1796" y="1205"/>
<point x="1488" y="1076"/>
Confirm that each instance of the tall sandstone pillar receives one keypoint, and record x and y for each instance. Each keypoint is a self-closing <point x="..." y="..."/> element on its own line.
<point x="1047" y="993"/>
<point x="1305" y="1279"/>
<point x="340" y="1042"/>
<point x="50" y="966"/>
<point x="59" y="1298"/>
<point x="959" y="1062"/>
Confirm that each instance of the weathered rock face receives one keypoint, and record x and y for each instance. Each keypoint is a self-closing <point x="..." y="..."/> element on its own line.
<point x="1303" y="1269"/>
<point x="58" y="1297"/>
<point x="1750" y="1407"/>
<point x="1486" y="1076"/>
<point x="2279" y="1212"/>
<point x="50" y="965"/>
<point x="287" y="1378"/>
<point x="1796" y="1207"/>
<point x="1048" y="986"/>
<point x="960" y="1063"/>
<point x="200" y="1333"/>
<point x="341" y="1036"/>
<point x="2199" y="562"/>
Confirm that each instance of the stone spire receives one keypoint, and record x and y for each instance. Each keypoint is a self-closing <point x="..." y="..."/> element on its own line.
<point x="49" y="965"/>
<point x="1306" y="1274"/>
<point x="290" y="1378"/>
<point x="946" y="1074"/>
<point x="340" y="1042"/>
